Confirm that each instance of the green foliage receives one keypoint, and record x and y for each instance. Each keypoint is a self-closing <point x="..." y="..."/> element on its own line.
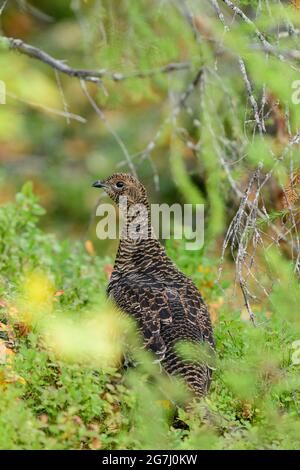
<point x="52" y="403"/>
<point x="25" y="248"/>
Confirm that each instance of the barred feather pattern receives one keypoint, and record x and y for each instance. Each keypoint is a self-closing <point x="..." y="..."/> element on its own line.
<point x="292" y="191"/>
<point x="168" y="307"/>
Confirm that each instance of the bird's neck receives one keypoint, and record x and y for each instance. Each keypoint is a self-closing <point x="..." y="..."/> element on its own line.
<point x="137" y="238"/>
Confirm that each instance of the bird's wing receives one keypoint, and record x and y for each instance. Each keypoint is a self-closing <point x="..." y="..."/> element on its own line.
<point x="197" y="313"/>
<point x="154" y="304"/>
<point x="150" y="303"/>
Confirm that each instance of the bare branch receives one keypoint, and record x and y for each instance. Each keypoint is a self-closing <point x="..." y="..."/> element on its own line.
<point x="63" y="98"/>
<point x="267" y="45"/>
<point x="34" y="11"/>
<point x="58" y="112"/>
<point x="34" y="52"/>
<point x="3" y="6"/>
<point x="253" y="102"/>
<point x="146" y="153"/>
<point x="94" y="76"/>
<point x="102" y="117"/>
<point x="171" y="67"/>
<point x="219" y="13"/>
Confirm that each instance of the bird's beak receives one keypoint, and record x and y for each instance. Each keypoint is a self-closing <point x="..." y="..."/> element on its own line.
<point x="99" y="184"/>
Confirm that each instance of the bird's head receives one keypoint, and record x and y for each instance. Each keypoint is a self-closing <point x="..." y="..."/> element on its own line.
<point x="123" y="184"/>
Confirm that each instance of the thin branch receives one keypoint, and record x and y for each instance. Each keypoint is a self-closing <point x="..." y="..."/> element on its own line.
<point x="172" y="116"/>
<point x="287" y="33"/>
<point x="58" y="112"/>
<point x="219" y="13"/>
<point x="3" y="6"/>
<point x="63" y="98"/>
<point x="102" y="117"/>
<point x="171" y="67"/>
<point x="267" y="45"/>
<point x="251" y="96"/>
<point x="61" y="66"/>
<point x="94" y="76"/>
<point x="240" y="194"/>
<point x="34" y="11"/>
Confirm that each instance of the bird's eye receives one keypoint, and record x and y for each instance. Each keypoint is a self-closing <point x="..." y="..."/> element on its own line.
<point x="119" y="184"/>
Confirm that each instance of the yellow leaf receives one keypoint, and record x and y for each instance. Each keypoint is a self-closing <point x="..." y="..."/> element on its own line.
<point x="90" y="247"/>
<point x="166" y="404"/>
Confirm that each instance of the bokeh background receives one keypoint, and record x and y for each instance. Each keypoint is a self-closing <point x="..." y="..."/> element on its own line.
<point x="63" y="156"/>
<point x="182" y="155"/>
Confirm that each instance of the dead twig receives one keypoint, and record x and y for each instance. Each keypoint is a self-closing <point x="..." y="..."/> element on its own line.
<point x="94" y="76"/>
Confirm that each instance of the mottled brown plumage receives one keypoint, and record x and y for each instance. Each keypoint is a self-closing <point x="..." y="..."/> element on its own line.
<point x="146" y="284"/>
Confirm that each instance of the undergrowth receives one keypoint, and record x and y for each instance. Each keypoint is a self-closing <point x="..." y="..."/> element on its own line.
<point x="48" y="401"/>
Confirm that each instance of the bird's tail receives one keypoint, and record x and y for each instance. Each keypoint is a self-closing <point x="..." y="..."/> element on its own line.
<point x="196" y="376"/>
